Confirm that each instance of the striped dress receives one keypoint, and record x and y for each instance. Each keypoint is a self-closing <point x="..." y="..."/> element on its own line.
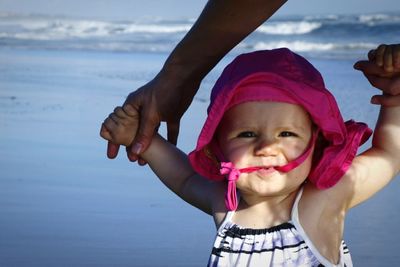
<point x="284" y="245"/>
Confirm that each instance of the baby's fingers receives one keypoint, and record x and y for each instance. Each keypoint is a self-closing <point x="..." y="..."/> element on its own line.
<point x="112" y="149"/>
<point x="130" y="111"/>
<point x="105" y="133"/>
<point x="115" y="129"/>
<point x="120" y="113"/>
<point x="111" y="123"/>
<point x="386" y="100"/>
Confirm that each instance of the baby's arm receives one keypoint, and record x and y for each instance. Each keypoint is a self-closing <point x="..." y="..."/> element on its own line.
<point x="169" y="163"/>
<point x="376" y="167"/>
<point x="173" y="168"/>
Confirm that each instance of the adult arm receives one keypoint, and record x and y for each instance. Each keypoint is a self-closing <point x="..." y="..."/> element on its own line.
<point x="219" y="28"/>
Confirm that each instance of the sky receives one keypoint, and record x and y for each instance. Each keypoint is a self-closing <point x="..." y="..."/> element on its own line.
<point x="169" y="9"/>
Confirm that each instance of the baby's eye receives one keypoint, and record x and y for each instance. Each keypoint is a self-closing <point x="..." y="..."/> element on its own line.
<point x="247" y="135"/>
<point x="287" y="134"/>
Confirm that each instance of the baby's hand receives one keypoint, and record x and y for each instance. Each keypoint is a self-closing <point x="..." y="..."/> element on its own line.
<point x="120" y="127"/>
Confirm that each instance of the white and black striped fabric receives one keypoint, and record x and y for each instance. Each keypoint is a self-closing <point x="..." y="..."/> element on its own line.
<point x="282" y="245"/>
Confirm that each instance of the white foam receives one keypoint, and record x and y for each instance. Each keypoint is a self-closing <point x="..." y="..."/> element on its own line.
<point x="289" y="27"/>
<point x="302" y="46"/>
<point x="309" y="34"/>
<point x="59" y="29"/>
<point x="296" y="46"/>
<point x="151" y="28"/>
<point x="322" y="17"/>
<point x="372" y="19"/>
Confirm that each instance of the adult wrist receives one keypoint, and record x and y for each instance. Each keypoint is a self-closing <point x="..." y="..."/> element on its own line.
<point x="184" y="69"/>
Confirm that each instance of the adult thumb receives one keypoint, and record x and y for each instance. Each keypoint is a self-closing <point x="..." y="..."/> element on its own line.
<point x="147" y="126"/>
<point x="368" y="68"/>
<point x="173" y="132"/>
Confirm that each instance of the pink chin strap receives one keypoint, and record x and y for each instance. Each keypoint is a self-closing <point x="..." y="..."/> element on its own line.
<point x="227" y="168"/>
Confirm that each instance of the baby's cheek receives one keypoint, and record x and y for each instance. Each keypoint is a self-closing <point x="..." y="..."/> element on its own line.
<point x="243" y="181"/>
<point x="239" y="157"/>
<point x="294" y="151"/>
<point x="304" y="169"/>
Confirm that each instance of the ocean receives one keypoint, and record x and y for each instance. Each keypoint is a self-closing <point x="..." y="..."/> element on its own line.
<point x="323" y="35"/>
<point x="63" y="203"/>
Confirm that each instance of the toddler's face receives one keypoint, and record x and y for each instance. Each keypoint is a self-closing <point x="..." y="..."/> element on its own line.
<point x="266" y="134"/>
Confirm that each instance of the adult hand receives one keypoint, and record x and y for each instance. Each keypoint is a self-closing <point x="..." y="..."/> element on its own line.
<point x="219" y="28"/>
<point x="162" y="99"/>
<point x="387" y="82"/>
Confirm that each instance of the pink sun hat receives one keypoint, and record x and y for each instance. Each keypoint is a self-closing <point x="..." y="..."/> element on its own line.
<point x="280" y="75"/>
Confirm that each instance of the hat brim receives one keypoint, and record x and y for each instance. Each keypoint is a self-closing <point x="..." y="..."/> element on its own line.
<point x="343" y="139"/>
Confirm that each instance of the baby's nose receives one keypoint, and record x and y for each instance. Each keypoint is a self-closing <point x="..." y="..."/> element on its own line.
<point x="266" y="147"/>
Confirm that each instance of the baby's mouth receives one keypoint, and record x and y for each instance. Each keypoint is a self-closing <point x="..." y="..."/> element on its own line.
<point x="260" y="169"/>
<point x="266" y="170"/>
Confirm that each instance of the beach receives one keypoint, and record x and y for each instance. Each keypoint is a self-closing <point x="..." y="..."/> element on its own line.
<point x="64" y="203"/>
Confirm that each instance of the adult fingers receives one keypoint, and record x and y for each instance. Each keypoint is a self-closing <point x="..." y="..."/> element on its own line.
<point x="147" y="124"/>
<point x="134" y="103"/>
<point x="372" y="54"/>
<point x="112" y="150"/>
<point x="396" y="57"/>
<point x="381" y="83"/>
<point x="389" y="86"/>
<point x="131" y="156"/>
<point x="141" y="161"/>
<point x="173" y="132"/>
<point x="380" y="52"/>
<point x="388" y="59"/>
<point x="385" y="100"/>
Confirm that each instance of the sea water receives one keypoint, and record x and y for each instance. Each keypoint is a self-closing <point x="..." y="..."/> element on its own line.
<point x="63" y="203"/>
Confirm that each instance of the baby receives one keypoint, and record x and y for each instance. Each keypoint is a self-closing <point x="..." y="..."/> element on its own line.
<point x="275" y="164"/>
